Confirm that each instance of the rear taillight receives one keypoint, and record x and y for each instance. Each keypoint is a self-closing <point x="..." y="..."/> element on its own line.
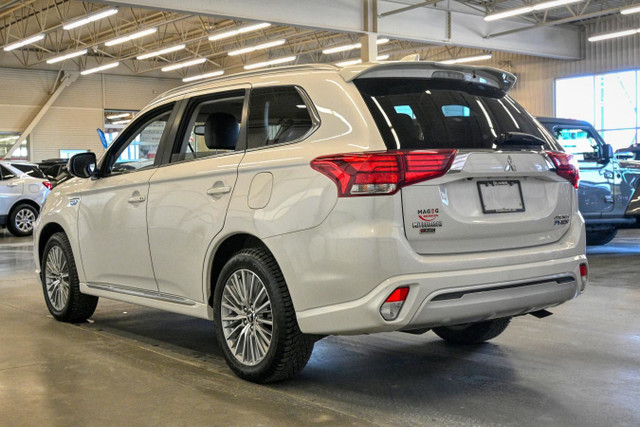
<point x="393" y="304"/>
<point x="566" y="166"/>
<point x="584" y="275"/>
<point x="384" y="172"/>
<point x="47" y="184"/>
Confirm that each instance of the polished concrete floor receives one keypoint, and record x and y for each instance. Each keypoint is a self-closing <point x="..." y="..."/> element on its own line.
<point x="136" y="366"/>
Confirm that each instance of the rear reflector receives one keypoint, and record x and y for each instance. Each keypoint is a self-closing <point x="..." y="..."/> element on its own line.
<point x="584" y="271"/>
<point x="566" y="166"/>
<point x="384" y="172"/>
<point x="393" y="304"/>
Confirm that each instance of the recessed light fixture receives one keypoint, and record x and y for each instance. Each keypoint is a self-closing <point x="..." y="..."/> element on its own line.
<point x="24" y="42"/>
<point x="203" y="76"/>
<point x="348" y="47"/>
<point x="526" y="9"/>
<point x="137" y="35"/>
<point x="241" y="30"/>
<point x="614" y="35"/>
<point x="162" y="51"/>
<point x="630" y="10"/>
<point x="184" y="64"/>
<point x="257" y="47"/>
<point x="100" y="68"/>
<point x="90" y="18"/>
<point x="121" y="122"/>
<point x="268" y="63"/>
<point x="66" y="56"/>
<point x="467" y="59"/>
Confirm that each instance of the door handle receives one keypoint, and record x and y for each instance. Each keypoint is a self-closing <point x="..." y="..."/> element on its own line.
<point x="216" y="191"/>
<point x="12" y="184"/>
<point x="608" y="174"/>
<point x="136" y="199"/>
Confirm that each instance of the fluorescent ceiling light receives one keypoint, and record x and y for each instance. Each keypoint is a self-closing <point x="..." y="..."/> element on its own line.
<point x="24" y="42"/>
<point x="184" y="64"/>
<point x="359" y="61"/>
<point x="272" y="62"/>
<point x="350" y="47"/>
<point x="121" y="122"/>
<point x="100" y="68"/>
<point x="527" y="9"/>
<point x="89" y="18"/>
<point x="67" y="56"/>
<point x="162" y="51"/>
<point x="241" y="30"/>
<point x="118" y="116"/>
<point x="257" y="47"/>
<point x="467" y="59"/>
<point x="131" y="37"/>
<point x="608" y="36"/>
<point x="203" y="76"/>
<point x="630" y="10"/>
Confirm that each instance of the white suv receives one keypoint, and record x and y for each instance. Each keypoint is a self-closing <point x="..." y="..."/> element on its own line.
<point x="23" y="190"/>
<point x="294" y="203"/>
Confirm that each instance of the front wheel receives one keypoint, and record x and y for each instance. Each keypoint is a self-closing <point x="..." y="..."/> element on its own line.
<point x="60" y="282"/>
<point x="473" y="333"/>
<point x="255" y="322"/>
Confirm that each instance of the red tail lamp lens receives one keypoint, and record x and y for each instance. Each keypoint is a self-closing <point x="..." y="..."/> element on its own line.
<point x="393" y="304"/>
<point x="566" y="166"/>
<point x="47" y="184"/>
<point x="386" y="172"/>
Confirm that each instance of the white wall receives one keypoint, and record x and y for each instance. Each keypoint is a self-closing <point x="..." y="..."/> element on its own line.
<point x="72" y="121"/>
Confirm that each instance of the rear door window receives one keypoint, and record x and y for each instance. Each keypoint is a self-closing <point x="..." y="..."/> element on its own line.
<point x="437" y="113"/>
<point x="30" y="170"/>
<point x="277" y="115"/>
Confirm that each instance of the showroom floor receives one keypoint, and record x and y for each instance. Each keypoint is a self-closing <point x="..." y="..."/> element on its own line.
<point x="136" y="366"/>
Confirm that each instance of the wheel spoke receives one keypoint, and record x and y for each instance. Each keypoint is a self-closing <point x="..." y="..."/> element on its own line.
<point x="56" y="276"/>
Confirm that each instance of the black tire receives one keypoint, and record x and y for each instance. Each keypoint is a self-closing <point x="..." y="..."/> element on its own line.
<point x="22" y="219"/>
<point x="601" y="237"/>
<point x="76" y="306"/>
<point x="473" y="333"/>
<point x="289" y="349"/>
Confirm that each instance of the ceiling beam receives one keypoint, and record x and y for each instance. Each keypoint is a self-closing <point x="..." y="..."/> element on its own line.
<point x="425" y="25"/>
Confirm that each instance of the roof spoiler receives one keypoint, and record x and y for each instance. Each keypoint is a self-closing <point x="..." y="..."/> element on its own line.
<point x="483" y="75"/>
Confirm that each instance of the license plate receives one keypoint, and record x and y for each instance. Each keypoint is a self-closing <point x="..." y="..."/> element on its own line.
<point x="501" y="196"/>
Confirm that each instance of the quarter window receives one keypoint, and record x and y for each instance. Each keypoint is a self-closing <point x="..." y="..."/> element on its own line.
<point x="6" y="174"/>
<point x="277" y="115"/>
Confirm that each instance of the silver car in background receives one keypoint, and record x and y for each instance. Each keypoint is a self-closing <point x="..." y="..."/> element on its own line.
<point x="23" y="189"/>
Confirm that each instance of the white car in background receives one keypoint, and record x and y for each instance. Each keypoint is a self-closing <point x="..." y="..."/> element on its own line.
<point x="23" y="189"/>
<point x="294" y="203"/>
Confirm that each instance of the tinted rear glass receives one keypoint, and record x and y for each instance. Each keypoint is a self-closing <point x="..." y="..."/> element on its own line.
<point x="30" y="170"/>
<point x="435" y="113"/>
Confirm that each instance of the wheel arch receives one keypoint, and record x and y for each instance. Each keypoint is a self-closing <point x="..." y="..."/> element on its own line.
<point x="47" y="231"/>
<point x="223" y="253"/>
<point x="29" y="202"/>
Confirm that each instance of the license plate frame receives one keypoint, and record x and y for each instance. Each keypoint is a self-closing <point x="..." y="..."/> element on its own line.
<point x="494" y="203"/>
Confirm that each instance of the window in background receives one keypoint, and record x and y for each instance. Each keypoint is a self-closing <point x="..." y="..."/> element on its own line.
<point x="7" y="139"/>
<point x="66" y="154"/>
<point x="114" y="122"/>
<point x="608" y="101"/>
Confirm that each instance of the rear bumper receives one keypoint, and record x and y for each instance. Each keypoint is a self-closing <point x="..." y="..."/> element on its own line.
<point x="439" y="299"/>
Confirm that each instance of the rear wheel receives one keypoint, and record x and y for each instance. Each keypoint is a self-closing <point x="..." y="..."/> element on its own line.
<point x="60" y="282"/>
<point x="255" y="323"/>
<point x="601" y="237"/>
<point x="473" y="333"/>
<point x="21" y="220"/>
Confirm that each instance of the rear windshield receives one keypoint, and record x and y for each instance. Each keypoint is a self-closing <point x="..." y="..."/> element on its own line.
<point x="30" y="170"/>
<point x="436" y="113"/>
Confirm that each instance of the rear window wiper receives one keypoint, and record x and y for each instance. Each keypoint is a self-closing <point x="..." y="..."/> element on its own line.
<point x="518" y="141"/>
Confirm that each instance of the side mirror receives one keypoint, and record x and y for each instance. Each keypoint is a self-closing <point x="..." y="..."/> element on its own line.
<point x="82" y="165"/>
<point x="607" y="154"/>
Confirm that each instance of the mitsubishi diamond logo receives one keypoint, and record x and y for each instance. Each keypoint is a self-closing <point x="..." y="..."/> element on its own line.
<point x="510" y="166"/>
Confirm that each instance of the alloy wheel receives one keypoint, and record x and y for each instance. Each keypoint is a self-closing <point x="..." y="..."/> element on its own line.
<point x="57" y="278"/>
<point x="247" y="320"/>
<point x="25" y="219"/>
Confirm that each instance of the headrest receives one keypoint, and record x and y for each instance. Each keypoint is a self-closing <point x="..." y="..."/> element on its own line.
<point x="221" y="131"/>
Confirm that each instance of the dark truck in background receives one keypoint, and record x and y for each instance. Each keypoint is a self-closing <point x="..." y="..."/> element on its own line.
<point x="608" y="194"/>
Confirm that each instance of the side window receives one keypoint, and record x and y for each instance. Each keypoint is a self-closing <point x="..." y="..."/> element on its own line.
<point x="213" y="126"/>
<point x="276" y="115"/>
<point x="6" y="173"/>
<point x="142" y="141"/>
<point x="579" y="142"/>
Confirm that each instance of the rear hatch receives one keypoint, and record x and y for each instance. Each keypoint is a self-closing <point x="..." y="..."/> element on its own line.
<point x="505" y="186"/>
